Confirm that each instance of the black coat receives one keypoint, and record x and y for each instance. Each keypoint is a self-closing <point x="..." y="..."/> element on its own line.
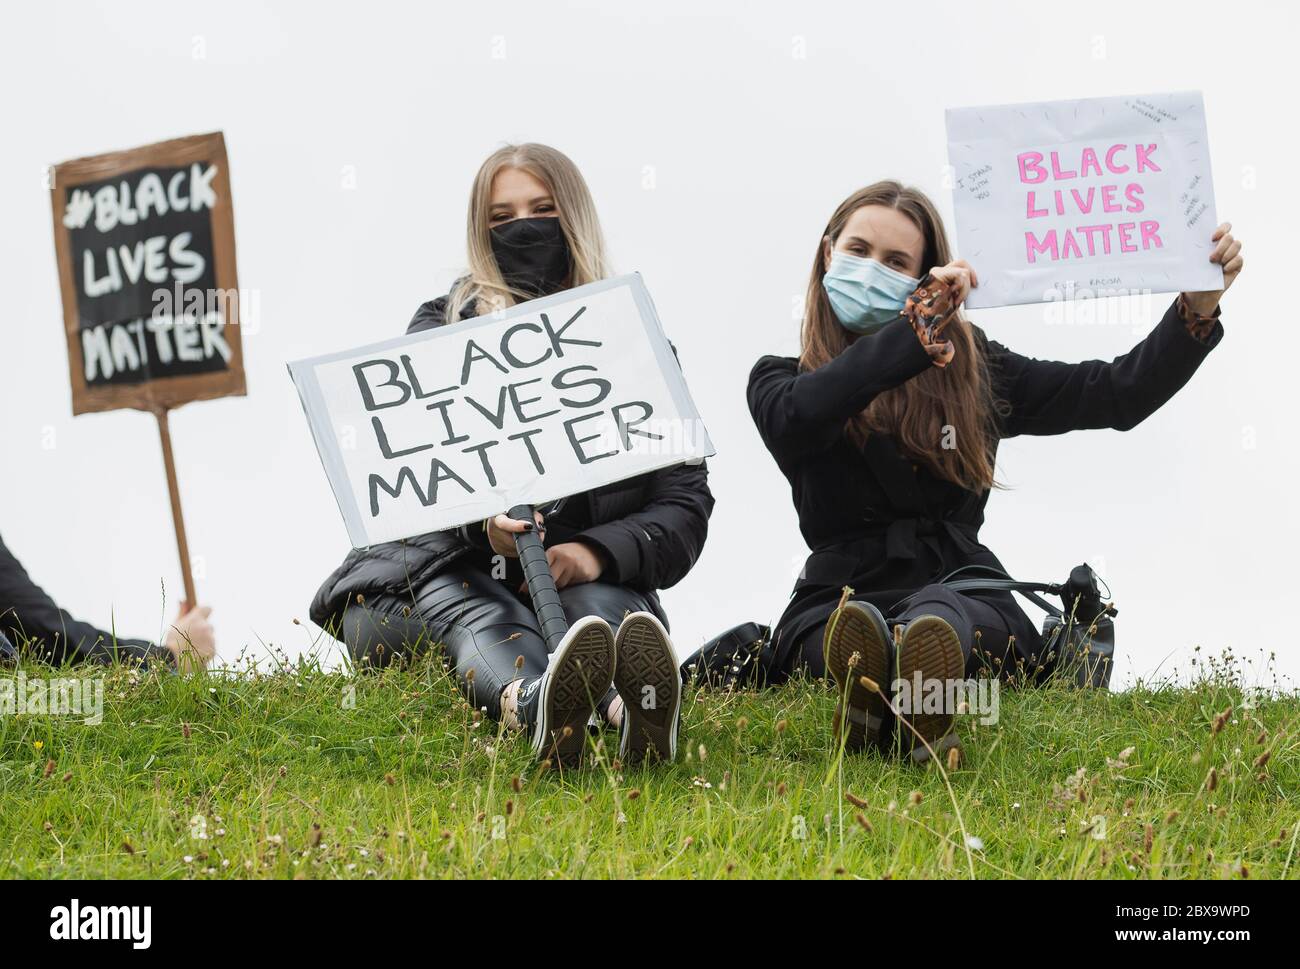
<point x="30" y="620"/>
<point x="876" y="522"/>
<point x="648" y="530"/>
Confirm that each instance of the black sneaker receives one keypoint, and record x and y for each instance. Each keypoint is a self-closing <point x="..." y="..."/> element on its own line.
<point x="649" y="682"/>
<point x="558" y="704"/>
<point x="857" y="644"/>
<point x="929" y="650"/>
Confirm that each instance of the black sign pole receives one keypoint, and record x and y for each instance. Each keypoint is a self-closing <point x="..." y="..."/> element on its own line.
<point x="541" y="584"/>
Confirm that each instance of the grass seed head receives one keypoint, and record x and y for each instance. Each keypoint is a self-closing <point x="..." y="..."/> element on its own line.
<point x="1221" y="721"/>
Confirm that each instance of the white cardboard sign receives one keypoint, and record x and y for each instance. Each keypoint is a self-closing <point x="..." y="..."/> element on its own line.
<point x="1101" y="196"/>
<point x="549" y="398"/>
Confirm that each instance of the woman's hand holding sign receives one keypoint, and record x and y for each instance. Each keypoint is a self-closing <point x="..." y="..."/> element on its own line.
<point x="934" y="305"/>
<point x="502" y="530"/>
<point x="571" y="562"/>
<point x="1227" y="253"/>
<point x="190" y="639"/>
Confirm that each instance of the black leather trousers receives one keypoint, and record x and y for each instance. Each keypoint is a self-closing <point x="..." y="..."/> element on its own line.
<point x="474" y="617"/>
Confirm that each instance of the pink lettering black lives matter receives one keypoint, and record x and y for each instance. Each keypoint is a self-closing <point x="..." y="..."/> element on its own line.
<point x="1110" y="215"/>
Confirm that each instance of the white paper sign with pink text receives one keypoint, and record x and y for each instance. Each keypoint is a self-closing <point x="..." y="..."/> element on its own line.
<point x="1096" y="197"/>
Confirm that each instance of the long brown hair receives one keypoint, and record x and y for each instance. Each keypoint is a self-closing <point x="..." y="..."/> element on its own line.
<point x="942" y="418"/>
<point x="483" y="286"/>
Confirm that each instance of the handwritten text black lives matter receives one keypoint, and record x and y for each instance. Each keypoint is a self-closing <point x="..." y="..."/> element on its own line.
<point x="143" y="264"/>
<point x="519" y="415"/>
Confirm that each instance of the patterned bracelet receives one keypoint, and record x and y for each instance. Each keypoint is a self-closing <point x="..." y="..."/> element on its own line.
<point x="1198" y="325"/>
<point x="930" y="309"/>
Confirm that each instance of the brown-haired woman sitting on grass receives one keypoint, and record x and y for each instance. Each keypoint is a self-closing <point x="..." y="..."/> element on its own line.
<point x="887" y="426"/>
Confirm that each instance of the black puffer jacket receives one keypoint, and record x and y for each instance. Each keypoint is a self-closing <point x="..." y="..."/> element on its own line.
<point x="650" y="530"/>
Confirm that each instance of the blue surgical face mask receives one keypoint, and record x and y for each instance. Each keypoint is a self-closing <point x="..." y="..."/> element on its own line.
<point x="864" y="293"/>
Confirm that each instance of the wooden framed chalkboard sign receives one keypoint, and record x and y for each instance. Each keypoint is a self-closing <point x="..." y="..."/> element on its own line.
<point x="146" y="250"/>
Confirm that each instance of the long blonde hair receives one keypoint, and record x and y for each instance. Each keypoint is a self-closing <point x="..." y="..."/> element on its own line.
<point x="483" y="288"/>
<point x="917" y="412"/>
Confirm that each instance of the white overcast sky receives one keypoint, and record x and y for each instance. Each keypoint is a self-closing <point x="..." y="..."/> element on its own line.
<point x="716" y="138"/>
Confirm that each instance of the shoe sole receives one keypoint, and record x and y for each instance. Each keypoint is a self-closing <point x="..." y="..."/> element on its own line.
<point x="857" y="645"/>
<point x="646" y="660"/>
<point x="930" y="646"/>
<point x="577" y="679"/>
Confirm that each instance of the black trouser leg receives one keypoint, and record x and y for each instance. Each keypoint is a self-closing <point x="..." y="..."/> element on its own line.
<point x="995" y="633"/>
<point x="984" y="622"/>
<point x="611" y="603"/>
<point x="384" y="629"/>
<point x="474" y="617"/>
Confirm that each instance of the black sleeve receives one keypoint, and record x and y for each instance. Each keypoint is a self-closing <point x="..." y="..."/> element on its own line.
<point x="1047" y="397"/>
<point x="429" y="315"/>
<point x="33" y="622"/>
<point x="655" y="547"/>
<point x="802" y="413"/>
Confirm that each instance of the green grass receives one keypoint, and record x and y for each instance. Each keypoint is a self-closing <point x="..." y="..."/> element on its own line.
<point x="304" y="773"/>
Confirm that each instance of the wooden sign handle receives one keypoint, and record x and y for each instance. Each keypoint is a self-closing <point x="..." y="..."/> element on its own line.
<point x="178" y="519"/>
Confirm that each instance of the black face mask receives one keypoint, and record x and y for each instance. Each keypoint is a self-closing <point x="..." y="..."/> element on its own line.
<point x="532" y="254"/>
